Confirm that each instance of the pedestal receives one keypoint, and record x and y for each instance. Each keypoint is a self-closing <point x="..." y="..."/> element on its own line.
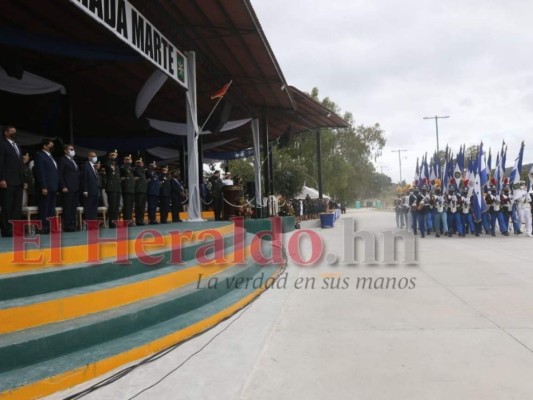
<point x="232" y="200"/>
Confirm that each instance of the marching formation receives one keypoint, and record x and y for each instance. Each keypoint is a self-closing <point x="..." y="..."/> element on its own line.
<point x="466" y="201"/>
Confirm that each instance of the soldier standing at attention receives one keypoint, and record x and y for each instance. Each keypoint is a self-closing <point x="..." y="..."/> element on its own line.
<point x="164" y="195"/>
<point x="152" y="192"/>
<point x="127" y="180"/>
<point x="140" y="191"/>
<point x="112" y="187"/>
<point x="216" y="193"/>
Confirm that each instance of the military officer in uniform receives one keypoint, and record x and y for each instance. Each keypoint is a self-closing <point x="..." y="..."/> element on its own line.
<point x="112" y="187"/>
<point x="140" y="191"/>
<point x="494" y="202"/>
<point x="127" y="181"/>
<point x="152" y="192"/>
<point x="215" y="184"/>
<point x="164" y="195"/>
<point x="522" y="200"/>
<point x="177" y="193"/>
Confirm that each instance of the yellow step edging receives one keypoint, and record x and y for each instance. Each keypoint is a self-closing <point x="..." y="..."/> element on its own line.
<point x="79" y="254"/>
<point x="71" y="378"/>
<point x="47" y="312"/>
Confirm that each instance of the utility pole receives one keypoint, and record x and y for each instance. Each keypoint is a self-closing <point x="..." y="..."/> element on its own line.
<point x="400" y="162"/>
<point x="436" y="118"/>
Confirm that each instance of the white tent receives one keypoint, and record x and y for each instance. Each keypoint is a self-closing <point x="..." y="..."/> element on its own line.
<point x="313" y="193"/>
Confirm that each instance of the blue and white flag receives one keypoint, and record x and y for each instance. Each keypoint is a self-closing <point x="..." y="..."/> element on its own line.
<point x="517" y="167"/>
<point x="479" y="204"/>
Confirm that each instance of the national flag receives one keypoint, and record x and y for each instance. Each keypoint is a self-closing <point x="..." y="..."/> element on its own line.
<point x="222" y="91"/>
<point x="517" y="167"/>
<point x="483" y="175"/>
<point x="498" y="175"/>
<point x="489" y="163"/>
<point x="425" y="171"/>
<point x="479" y="204"/>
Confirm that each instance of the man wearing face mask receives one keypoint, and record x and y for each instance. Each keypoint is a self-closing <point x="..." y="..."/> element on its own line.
<point x="90" y="185"/>
<point x="47" y="184"/>
<point x="11" y="181"/>
<point x="522" y="200"/>
<point x="69" y="185"/>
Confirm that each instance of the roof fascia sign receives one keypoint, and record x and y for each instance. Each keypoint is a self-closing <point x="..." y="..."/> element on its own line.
<point x="129" y="25"/>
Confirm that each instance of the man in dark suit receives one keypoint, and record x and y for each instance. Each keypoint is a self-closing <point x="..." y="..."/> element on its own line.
<point x="11" y="181"/>
<point x="47" y="183"/>
<point x="90" y="186"/>
<point x="69" y="185"/>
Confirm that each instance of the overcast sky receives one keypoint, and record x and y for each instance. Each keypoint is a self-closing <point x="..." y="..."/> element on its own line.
<point x="395" y="62"/>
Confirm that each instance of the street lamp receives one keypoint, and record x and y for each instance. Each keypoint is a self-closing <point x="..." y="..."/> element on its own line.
<point x="400" y="162"/>
<point x="436" y="118"/>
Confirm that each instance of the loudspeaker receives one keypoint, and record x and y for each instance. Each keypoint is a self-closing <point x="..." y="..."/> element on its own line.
<point x="219" y="117"/>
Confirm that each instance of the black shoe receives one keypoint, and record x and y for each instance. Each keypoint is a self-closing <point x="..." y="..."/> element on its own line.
<point x="43" y="231"/>
<point x="437" y="235"/>
<point x="140" y="223"/>
<point x="153" y="223"/>
<point x="505" y="233"/>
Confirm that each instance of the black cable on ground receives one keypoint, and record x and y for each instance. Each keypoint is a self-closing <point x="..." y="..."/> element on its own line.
<point x="156" y="356"/>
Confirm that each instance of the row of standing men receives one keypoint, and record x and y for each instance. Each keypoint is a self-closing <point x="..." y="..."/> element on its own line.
<point x="131" y="185"/>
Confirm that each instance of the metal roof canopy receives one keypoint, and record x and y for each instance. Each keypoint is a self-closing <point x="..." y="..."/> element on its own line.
<point x="103" y="75"/>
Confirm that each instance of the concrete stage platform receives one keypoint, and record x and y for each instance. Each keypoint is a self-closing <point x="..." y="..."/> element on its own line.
<point x="465" y="331"/>
<point x="74" y="306"/>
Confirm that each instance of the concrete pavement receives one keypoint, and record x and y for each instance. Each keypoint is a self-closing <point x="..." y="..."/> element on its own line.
<point x="462" y="329"/>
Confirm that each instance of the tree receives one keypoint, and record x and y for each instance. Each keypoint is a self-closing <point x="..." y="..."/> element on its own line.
<point x="347" y="155"/>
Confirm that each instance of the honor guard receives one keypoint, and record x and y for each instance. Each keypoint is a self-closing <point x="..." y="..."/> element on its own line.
<point x="522" y="200"/>
<point x="440" y="216"/>
<point x="493" y="201"/>
<point x="454" y="216"/>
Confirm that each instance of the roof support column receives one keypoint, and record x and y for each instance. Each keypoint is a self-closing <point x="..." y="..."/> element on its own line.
<point x="266" y="159"/>
<point x="319" y="163"/>
<point x="257" y="166"/>
<point x="195" y="207"/>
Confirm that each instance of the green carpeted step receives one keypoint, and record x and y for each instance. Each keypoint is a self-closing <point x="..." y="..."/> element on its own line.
<point x="51" y="350"/>
<point x="58" y="279"/>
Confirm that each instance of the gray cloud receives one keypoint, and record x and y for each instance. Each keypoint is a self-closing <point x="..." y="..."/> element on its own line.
<point x="395" y="62"/>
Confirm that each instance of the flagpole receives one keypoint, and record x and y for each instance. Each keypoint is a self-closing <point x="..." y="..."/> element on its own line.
<point x="211" y="113"/>
<point x="214" y="108"/>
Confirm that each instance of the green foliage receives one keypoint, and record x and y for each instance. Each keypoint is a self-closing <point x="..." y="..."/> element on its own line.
<point x="289" y="177"/>
<point x="244" y="168"/>
<point x="347" y="170"/>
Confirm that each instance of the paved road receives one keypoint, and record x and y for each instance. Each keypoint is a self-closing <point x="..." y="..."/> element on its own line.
<point x="462" y="328"/>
